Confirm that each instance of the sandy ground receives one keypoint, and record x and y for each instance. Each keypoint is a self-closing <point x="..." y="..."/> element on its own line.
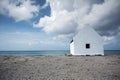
<point x="60" y="68"/>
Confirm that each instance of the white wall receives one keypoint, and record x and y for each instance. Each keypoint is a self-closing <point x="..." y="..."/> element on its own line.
<point x="88" y="35"/>
<point x="72" y="48"/>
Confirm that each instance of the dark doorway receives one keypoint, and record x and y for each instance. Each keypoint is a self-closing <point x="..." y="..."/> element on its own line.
<point x="87" y="46"/>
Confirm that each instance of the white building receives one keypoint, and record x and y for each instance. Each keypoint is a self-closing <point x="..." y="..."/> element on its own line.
<point x="87" y="42"/>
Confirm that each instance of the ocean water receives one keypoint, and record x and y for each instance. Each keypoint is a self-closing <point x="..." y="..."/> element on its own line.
<point x="49" y="52"/>
<point x="112" y="52"/>
<point x="35" y="53"/>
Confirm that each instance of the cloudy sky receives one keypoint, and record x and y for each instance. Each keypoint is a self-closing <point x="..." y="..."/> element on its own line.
<point x="51" y="24"/>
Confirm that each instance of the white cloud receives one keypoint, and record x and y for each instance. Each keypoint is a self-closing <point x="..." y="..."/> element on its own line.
<point x="102" y="14"/>
<point x="30" y="41"/>
<point x="63" y="19"/>
<point x="19" y="9"/>
<point x="69" y="16"/>
<point x="63" y="37"/>
<point x="56" y="23"/>
<point x="108" y="40"/>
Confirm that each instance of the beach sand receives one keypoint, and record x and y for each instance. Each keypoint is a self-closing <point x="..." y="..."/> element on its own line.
<point x="60" y="68"/>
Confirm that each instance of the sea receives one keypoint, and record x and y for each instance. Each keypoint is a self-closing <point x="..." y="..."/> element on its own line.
<point x="48" y="52"/>
<point x="35" y="53"/>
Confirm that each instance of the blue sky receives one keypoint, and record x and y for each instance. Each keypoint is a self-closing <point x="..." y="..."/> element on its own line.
<point x="50" y="25"/>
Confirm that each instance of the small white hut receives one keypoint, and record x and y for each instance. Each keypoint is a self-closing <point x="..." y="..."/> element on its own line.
<point x="87" y="42"/>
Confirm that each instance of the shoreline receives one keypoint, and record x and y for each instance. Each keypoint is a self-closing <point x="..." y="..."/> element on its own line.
<point x="49" y="52"/>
